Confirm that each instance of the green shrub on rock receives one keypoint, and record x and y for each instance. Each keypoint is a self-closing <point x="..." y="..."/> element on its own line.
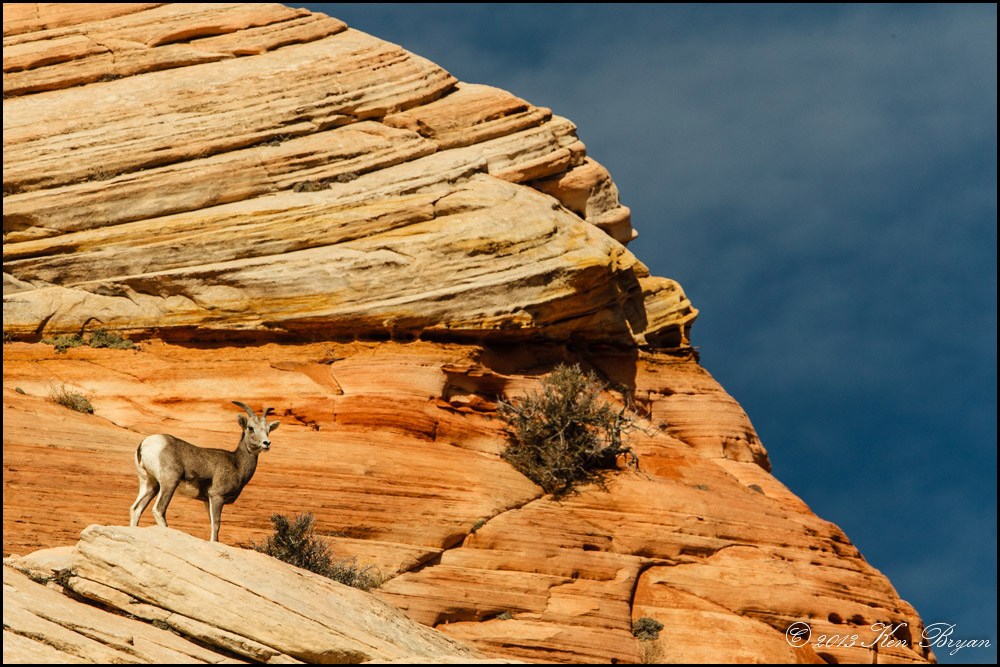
<point x="565" y="435"/>
<point x="293" y="541"/>
<point x="99" y="338"/>
<point x="71" y="399"/>
<point x="646" y="629"/>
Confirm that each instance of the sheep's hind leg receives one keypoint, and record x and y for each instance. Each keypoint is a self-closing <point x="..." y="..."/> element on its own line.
<point x="147" y="490"/>
<point x="162" y="501"/>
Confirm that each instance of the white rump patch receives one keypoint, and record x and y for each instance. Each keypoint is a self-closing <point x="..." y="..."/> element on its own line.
<point x="149" y="454"/>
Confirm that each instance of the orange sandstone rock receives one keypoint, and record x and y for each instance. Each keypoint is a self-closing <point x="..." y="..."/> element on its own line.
<point x="378" y="441"/>
<point x="288" y="212"/>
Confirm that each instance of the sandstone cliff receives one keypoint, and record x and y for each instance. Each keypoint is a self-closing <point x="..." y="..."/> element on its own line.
<point x="287" y="211"/>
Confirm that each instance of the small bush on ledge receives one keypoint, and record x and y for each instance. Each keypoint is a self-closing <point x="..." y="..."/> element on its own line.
<point x="294" y="542"/>
<point x="63" y="343"/>
<point x="99" y="338"/>
<point x="71" y="399"/>
<point x="566" y="435"/>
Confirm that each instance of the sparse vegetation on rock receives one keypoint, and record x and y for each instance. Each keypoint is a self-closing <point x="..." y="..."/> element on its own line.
<point x="102" y="338"/>
<point x="566" y="435"/>
<point x="294" y="541"/>
<point x="71" y="399"/>
<point x="99" y="338"/>
<point x="646" y="628"/>
<point x="63" y="343"/>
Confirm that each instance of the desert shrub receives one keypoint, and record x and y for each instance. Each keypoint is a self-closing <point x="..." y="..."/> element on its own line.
<point x="63" y="343"/>
<point x="652" y="653"/>
<point x="295" y="542"/>
<point x="101" y="338"/>
<point x="71" y="399"/>
<point x="349" y="571"/>
<point x="566" y="435"/>
<point x="646" y="628"/>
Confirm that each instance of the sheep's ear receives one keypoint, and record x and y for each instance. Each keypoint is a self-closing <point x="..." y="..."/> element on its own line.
<point x="242" y="420"/>
<point x="272" y="426"/>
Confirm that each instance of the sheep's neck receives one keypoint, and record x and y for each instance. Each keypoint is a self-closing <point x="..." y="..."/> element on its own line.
<point x="246" y="461"/>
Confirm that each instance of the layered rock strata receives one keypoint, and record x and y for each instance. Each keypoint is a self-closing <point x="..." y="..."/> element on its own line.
<point x="359" y="187"/>
<point x="288" y="212"/>
<point x="393" y="447"/>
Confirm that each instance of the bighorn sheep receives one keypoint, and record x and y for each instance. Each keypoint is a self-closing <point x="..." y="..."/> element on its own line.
<point x="217" y="476"/>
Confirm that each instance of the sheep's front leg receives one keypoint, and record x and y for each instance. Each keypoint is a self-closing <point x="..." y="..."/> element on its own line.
<point x="214" y="505"/>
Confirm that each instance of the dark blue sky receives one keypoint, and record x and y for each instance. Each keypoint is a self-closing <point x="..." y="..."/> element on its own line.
<point x="822" y="180"/>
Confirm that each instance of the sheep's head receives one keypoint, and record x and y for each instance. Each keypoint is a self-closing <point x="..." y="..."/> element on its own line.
<point x="256" y="430"/>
